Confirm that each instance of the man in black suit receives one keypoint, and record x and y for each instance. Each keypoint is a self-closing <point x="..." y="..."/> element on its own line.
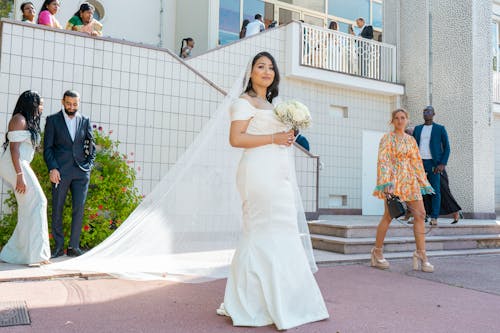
<point x="69" y="153"/>
<point x="363" y="49"/>
<point x="366" y="31"/>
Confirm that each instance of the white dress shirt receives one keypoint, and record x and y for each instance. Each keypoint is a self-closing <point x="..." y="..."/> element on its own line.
<point x="425" y="140"/>
<point x="254" y="28"/>
<point x="71" y="124"/>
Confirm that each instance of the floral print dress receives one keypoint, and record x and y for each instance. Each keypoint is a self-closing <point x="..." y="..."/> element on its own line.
<point x="400" y="165"/>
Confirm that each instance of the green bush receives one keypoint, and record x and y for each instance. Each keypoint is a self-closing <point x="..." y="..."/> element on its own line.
<point x="111" y="196"/>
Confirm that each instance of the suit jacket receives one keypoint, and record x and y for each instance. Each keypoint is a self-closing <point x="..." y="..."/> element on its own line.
<point x="367" y="32"/>
<point x="439" y="144"/>
<point x="302" y="140"/>
<point x="62" y="153"/>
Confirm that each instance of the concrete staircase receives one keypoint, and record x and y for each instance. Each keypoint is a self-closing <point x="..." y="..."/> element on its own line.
<point x="351" y="235"/>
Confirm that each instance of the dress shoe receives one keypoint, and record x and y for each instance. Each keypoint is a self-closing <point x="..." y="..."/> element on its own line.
<point x="57" y="253"/>
<point x="457" y="216"/>
<point x="434" y="222"/>
<point x="74" y="252"/>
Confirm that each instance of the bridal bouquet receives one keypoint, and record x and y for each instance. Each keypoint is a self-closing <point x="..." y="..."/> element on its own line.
<point x="294" y="114"/>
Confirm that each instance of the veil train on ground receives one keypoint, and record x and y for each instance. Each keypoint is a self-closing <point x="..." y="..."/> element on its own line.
<point x="187" y="228"/>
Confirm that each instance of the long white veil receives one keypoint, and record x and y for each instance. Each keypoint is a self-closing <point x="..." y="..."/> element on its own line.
<point x="187" y="228"/>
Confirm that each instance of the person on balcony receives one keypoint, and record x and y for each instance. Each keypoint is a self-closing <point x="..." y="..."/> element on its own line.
<point x="187" y="46"/>
<point x="256" y="26"/>
<point x="365" y="31"/>
<point x="243" y="31"/>
<point x="84" y="21"/>
<point x="28" y="10"/>
<point x="48" y="13"/>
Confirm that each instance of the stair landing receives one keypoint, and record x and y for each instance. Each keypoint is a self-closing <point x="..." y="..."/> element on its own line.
<point x="355" y="235"/>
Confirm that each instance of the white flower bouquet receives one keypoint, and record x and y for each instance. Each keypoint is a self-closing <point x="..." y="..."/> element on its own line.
<point x="293" y="114"/>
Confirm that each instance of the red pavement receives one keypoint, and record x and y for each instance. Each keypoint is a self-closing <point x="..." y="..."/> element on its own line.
<point x="359" y="298"/>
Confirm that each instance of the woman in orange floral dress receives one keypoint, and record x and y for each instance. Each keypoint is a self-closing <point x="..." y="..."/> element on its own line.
<point x="400" y="172"/>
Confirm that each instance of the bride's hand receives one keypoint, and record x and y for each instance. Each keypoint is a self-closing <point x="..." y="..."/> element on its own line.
<point x="284" y="138"/>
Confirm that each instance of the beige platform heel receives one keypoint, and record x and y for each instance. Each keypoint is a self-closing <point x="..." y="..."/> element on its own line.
<point x="376" y="262"/>
<point x="420" y="264"/>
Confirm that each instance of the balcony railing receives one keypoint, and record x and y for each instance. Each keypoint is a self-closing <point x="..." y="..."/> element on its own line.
<point x="340" y="52"/>
<point x="496" y="87"/>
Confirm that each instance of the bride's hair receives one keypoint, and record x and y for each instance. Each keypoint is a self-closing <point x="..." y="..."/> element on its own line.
<point x="272" y="90"/>
<point x="27" y="105"/>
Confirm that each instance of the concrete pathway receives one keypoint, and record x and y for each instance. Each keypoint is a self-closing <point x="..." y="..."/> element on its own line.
<point x="359" y="298"/>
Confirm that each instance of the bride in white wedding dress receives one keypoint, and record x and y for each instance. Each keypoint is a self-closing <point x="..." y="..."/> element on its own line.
<point x="270" y="280"/>
<point x="188" y="227"/>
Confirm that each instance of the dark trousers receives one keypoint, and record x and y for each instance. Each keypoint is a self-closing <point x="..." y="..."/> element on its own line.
<point x="77" y="181"/>
<point x="435" y="180"/>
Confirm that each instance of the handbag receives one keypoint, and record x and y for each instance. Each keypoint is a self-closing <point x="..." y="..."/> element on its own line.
<point x="397" y="207"/>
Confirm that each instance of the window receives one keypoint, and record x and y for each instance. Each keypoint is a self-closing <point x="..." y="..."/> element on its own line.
<point x="350" y="9"/>
<point x="229" y="21"/>
<point x="495" y="44"/>
<point x="343" y="27"/>
<point x="377" y="15"/>
<point x="317" y="5"/>
<point x="252" y="7"/>
<point x="99" y="11"/>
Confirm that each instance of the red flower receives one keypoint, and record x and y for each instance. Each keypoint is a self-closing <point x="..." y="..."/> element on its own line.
<point x="100" y="207"/>
<point x="100" y="128"/>
<point x="50" y="236"/>
<point x="110" y="132"/>
<point x="93" y="216"/>
<point x="110" y="222"/>
<point x="86" y="228"/>
<point x="124" y="189"/>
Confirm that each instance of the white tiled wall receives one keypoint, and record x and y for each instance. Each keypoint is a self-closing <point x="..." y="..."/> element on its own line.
<point x="153" y="104"/>
<point x="337" y="140"/>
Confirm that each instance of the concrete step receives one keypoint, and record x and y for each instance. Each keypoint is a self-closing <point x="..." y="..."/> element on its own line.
<point x="358" y="229"/>
<point x="328" y="258"/>
<point x="354" y="245"/>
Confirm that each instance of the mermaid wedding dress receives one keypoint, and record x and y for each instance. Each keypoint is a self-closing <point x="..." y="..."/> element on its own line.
<point x="270" y="280"/>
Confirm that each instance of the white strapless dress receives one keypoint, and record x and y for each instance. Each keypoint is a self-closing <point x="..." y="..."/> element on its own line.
<point x="270" y="280"/>
<point x="29" y="243"/>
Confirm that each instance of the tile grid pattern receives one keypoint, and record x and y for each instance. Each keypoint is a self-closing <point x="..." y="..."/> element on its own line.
<point x="143" y="97"/>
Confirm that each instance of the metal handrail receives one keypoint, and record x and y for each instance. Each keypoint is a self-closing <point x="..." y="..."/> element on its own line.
<point x="308" y="179"/>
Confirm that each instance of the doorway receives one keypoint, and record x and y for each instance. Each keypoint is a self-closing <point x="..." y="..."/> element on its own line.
<point x="370" y="204"/>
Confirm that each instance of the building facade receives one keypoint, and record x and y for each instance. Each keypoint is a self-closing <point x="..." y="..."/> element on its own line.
<point x="350" y="89"/>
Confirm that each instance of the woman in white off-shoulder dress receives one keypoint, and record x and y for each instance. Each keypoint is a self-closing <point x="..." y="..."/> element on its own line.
<point x="29" y="243"/>
<point x="271" y="279"/>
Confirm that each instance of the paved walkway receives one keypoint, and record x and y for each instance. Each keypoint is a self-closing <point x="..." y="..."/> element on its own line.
<point x="462" y="296"/>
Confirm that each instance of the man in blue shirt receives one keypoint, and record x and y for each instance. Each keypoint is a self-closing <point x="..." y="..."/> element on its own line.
<point x="434" y="146"/>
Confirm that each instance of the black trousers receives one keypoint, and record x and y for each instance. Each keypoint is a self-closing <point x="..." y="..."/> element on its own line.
<point x="76" y="181"/>
<point x="448" y="203"/>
